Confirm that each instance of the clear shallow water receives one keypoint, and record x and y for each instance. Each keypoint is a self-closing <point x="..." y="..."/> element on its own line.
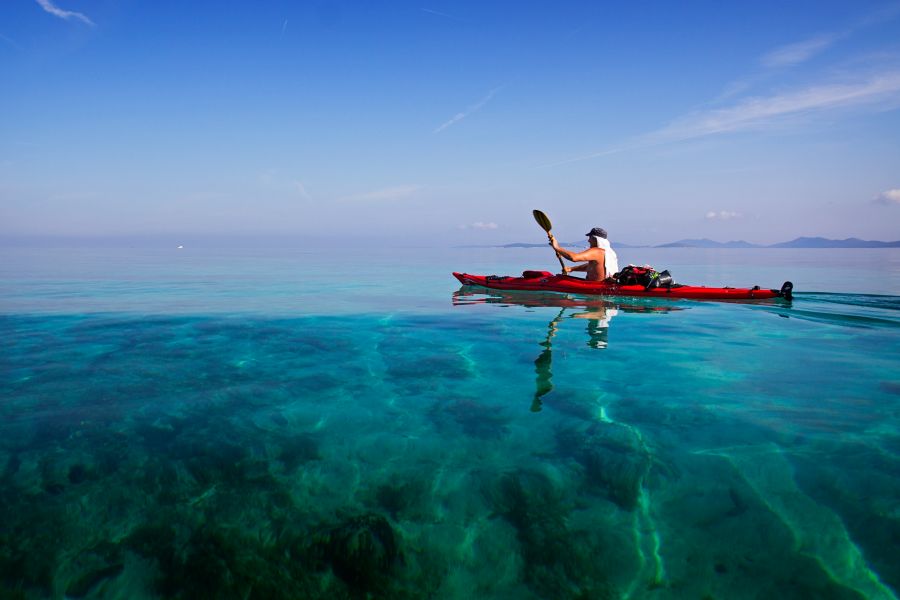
<point x="219" y="424"/>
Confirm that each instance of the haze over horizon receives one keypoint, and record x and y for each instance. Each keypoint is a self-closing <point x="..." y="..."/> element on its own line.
<point x="448" y="122"/>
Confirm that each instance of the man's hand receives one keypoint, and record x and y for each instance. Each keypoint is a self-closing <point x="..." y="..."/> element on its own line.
<point x="567" y="270"/>
<point x="553" y="241"/>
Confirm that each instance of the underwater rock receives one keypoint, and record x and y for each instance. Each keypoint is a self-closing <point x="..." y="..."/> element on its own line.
<point x="861" y="486"/>
<point x="418" y="366"/>
<point x="11" y="467"/>
<point x="219" y="462"/>
<point x="77" y="474"/>
<point x="613" y="459"/>
<point x="400" y="498"/>
<point x="361" y="551"/>
<point x="161" y="432"/>
<point x="558" y="563"/>
<point x="297" y="450"/>
<point x="220" y="562"/>
<point x="476" y="419"/>
<point x="87" y="582"/>
<point x="28" y="556"/>
<point x="529" y="502"/>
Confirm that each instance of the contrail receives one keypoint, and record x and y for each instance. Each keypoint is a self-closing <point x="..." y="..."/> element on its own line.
<point x="48" y="6"/>
<point x="474" y="108"/>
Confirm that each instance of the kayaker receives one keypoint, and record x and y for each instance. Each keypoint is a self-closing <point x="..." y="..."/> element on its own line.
<point x="602" y="261"/>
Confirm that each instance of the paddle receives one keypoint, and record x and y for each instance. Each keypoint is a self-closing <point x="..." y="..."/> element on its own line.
<point x="545" y="224"/>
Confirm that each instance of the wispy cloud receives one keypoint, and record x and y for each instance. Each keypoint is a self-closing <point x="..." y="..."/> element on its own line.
<point x="271" y="180"/>
<point x="723" y="215"/>
<point x="607" y="152"/>
<point x="284" y="26"/>
<point x="799" y="52"/>
<point x="802" y="51"/>
<point x="878" y="91"/>
<point x="397" y="192"/>
<point x="759" y="111"/>
<point x="72" y="196"/>
<point x="10" y="41"/>
<point x="301" y="190"/>
<point x="886" y="13"/>
<point x="481" y="225"/>
<point x="474" y="108"/>
<point x="868" y="83"/>
<point x="54" y="10"/>
<point x="440" y="14"/>
<point x="889" y="197"/>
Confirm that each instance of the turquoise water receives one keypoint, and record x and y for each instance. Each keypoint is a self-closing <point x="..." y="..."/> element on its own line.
<point x="253" y="424"/>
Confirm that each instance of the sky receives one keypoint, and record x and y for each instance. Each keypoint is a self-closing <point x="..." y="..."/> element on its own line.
<point x="446" y="123"/>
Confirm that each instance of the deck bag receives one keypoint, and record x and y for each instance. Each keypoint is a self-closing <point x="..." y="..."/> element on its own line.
<point x="536" y="274"/>
<point x="634" y="275"/>
<point x="645" y="276"/>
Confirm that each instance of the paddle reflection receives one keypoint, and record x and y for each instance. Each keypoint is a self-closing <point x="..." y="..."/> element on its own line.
<point x="597" y="312"/>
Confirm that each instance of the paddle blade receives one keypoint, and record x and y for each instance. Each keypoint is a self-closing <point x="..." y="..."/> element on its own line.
<point x="542" y="220"/>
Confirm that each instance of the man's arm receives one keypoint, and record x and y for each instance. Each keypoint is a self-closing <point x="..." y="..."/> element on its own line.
<point x="581" y="267"/>
<point x="589" y="254"/>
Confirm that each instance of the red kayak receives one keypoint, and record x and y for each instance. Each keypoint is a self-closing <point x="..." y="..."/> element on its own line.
<point x="544" y="281"/>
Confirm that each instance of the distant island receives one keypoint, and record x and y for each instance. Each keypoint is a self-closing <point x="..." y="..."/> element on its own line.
<point x="800" y="242"/>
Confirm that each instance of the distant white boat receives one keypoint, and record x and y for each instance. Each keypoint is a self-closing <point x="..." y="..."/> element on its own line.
<point x="180" y="247"/>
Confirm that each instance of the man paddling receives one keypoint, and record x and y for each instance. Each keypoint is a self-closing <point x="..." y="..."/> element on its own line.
<point x="602" y="261"/>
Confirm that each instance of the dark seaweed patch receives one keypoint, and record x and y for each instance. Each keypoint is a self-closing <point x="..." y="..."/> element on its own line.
<point x="612" y="458"/>
<point x="77" y="474"/>
<point x="558" y="564"/>
<point x="398" y="499"/>
<point x="298" y="450"/>
<point x="362" y="551"/>
<point x="87" y="582"/>
<point x="473" y="417"/>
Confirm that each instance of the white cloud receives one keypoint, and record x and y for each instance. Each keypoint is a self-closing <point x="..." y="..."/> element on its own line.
<point x="723" y="215"/>
<point x="474" y="108"/>
<point x="48" y="6"/>
<point x="482" y="225"/>
<point x="794" y="54"/>
<point x="889" y="197"/>
<point x="392" y="193"/>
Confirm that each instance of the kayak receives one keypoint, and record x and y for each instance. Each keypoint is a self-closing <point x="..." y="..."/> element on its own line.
<point x="544" y="281"/>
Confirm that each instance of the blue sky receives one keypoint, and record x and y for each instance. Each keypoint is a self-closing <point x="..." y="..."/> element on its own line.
<point x="448" y="122"/>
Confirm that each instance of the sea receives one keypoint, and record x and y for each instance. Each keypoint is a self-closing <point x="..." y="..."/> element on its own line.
<point x="250" y="422"/>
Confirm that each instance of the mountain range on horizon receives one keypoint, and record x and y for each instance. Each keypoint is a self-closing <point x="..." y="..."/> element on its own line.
<point x="800" y="242"/>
